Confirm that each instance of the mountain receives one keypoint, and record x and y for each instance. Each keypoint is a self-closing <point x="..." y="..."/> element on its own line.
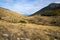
<point x="14" y="26"/>
<point x="49" y="15"/>
<point x="52" y="9"/>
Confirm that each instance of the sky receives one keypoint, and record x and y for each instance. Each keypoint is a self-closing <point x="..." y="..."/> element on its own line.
<point x="26" y="7"/>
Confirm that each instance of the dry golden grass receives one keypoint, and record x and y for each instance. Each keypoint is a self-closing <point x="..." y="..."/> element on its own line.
<point x="10" y="16"/>
<point x="14" y="26"/>
<point x="44" y="20"/>
<point x="29" y="31"/>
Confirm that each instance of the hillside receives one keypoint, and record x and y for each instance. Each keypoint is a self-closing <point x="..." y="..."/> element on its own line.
<point x="14" y="26"/>
<point x="19" y="31"/>
<point x="52" y="9"/>
<point x="49" y="15"/>
<point x="44" y="20"/>
<point x="10" y="16"/>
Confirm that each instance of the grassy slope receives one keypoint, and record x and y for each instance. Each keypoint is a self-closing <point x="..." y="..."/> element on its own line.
<point x="49" y="15"/>
<point x="30" y="31"/>
<point x="13" y="26"/>
<point x="10" y="16"/>
<point x="45" y="20"/>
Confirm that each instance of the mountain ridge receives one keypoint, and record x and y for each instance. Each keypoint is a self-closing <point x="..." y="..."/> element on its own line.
<point x="51" y="8"/>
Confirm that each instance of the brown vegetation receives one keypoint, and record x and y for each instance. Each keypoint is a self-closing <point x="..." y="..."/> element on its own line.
<point x="14" y="26"/>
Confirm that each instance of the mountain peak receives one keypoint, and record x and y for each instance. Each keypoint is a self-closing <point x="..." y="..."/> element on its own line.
<point x="52" y="9"/>
<point x="54" y="5"/>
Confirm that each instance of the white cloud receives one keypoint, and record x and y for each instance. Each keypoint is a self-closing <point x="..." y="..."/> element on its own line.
<point x="25" y="8"/>
<point x="9" y="0"/>
<point x="57" y="2"/>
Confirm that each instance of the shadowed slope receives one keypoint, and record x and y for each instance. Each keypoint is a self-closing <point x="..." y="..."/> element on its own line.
<point x="52" y="9"/>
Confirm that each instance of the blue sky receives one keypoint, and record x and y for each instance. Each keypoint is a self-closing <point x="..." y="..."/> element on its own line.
<point x="25" y="7"/>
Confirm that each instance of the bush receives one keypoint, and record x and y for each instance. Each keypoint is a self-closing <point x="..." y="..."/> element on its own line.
<point x="56" y="21"/>
<point x="22" y="21"/>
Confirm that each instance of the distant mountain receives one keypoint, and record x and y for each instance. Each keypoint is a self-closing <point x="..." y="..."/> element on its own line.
<point x="52" y="9"/>
<point x="49" y="15"/>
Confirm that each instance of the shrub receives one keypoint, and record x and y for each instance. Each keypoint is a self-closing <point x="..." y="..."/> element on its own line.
<point x="22" y="21"/>
<point x="56" y="21"/>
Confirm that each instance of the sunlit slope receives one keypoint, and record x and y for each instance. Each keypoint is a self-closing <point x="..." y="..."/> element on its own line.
<point x="13" y="31"/>
<point x="10" y="16"/>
